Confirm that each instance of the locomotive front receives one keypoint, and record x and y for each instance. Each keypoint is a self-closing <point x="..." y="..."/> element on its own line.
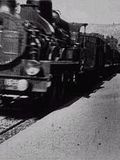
<point x="39" y="51"/>
<point x="23" y="40"/>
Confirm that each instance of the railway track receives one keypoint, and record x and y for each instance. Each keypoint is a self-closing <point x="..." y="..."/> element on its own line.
<point x="10" y="126"/>
<point x="12" y="121"/>
<point x="8" y="123"/>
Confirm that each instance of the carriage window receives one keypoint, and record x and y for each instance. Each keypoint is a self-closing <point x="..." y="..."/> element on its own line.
<point x="1" y="23"/>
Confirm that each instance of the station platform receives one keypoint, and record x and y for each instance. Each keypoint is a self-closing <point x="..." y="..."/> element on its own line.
<point x="89" y="129"/>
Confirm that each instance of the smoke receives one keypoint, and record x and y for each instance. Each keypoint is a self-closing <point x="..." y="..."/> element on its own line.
<point x="21" y="1"/>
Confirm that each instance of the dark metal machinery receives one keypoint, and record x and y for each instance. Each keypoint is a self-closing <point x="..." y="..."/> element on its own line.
<point x="41" y="53"/>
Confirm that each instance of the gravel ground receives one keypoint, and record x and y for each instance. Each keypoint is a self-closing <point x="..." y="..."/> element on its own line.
<point x="89" y="129"/>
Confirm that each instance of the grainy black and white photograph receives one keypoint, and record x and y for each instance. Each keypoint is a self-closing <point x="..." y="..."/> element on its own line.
<point x="59" y="80"/>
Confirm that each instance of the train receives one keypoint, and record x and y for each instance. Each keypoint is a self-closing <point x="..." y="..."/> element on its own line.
<point x="41" y="54"/>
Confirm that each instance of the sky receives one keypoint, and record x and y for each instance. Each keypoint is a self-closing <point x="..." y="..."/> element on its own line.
<point x="90" y="11"/>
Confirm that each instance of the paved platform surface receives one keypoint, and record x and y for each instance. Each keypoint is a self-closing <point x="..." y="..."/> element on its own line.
<point x="89" y="129"/>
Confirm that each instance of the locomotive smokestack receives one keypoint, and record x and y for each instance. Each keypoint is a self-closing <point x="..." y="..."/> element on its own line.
<point x="45" y="7"/>
<point x="8" y="6"/>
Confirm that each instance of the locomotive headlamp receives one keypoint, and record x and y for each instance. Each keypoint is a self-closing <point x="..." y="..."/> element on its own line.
<point x="22" y="85"/>
<point x="32" y="68"/>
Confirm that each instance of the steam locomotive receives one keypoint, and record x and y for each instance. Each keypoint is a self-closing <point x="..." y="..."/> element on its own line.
<point x="40" y="53"/>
